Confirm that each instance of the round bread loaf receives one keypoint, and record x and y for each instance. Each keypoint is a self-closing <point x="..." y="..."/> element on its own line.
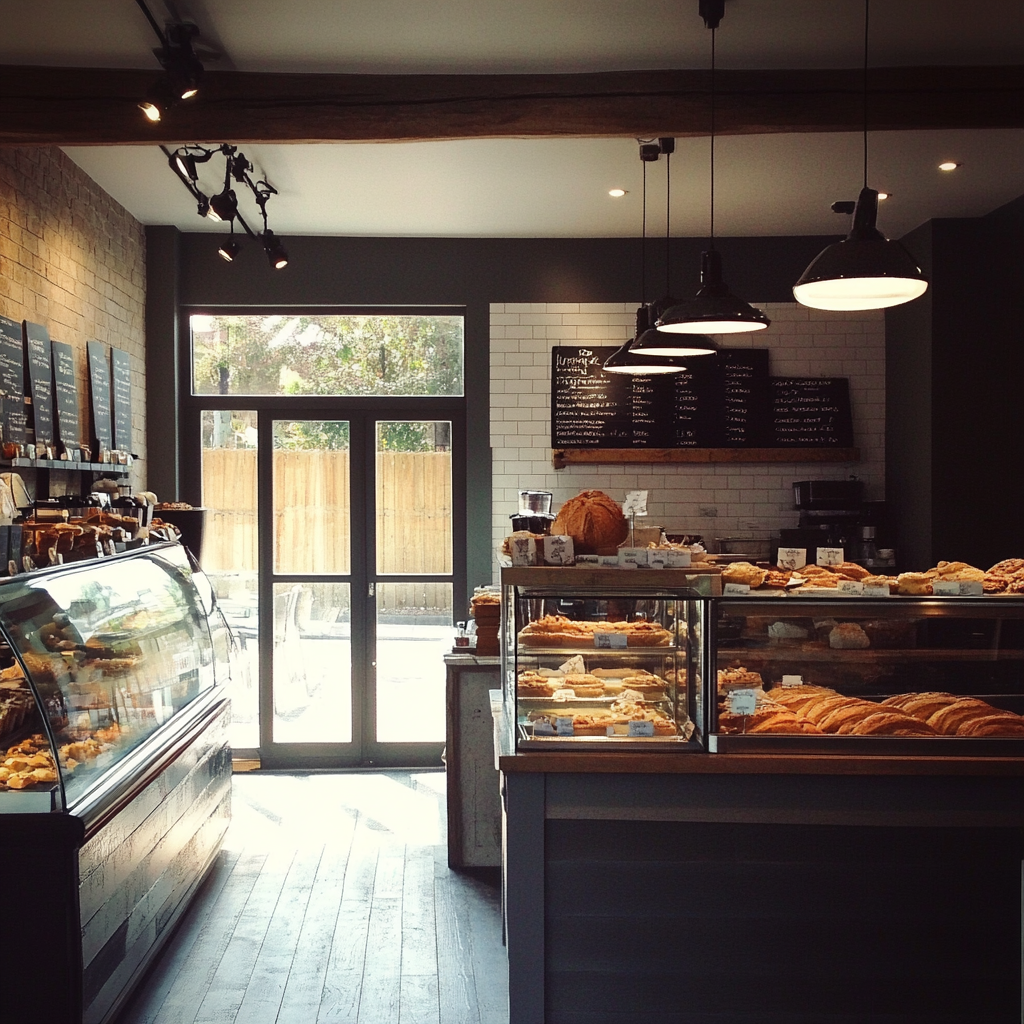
<point x="594" y="521"/>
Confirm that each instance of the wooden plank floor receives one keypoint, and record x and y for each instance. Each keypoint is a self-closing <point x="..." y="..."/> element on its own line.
<point x="332" y="902"/>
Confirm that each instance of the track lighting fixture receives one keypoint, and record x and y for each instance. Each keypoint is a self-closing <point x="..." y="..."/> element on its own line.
<point x="277" y="257"/>
<point x="183" y="70"/>
<point x="229" y="250"/>
<point x="224" y="205"/>
<point x="865" y="270"/>
<point x="714" y="309"/>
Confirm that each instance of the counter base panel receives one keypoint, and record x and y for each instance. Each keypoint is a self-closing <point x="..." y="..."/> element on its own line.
<point x="139" y="870"/>
<point x="664" y="921"/>
<point x="878" y="746"/>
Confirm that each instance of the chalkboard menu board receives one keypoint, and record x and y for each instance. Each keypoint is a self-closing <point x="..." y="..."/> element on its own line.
<point x="726" y="400"/>
<point x="12" y="380"/>
<point x="99" y="381"/>
<point x="812" y="412"/>
<point x="122" y="395"/>
<point x="65" y="387"/>
<point x="40" y="376"/>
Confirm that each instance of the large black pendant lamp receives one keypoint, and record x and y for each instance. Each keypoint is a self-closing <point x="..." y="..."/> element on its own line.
<point x="714" y="309"/>
<point x="865" y="270"/>
<point x="626" y="359"/>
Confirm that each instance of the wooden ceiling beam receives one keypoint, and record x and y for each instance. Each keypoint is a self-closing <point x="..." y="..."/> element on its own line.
<point x="97" y="106"/>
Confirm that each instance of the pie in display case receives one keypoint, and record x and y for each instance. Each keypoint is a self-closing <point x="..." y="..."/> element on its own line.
<point x="895" y="676"/>
<point x="589" y="662"/>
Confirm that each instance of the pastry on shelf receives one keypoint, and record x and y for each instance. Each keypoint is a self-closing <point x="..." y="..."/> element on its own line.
<point x="745" y="573"/>
<point x="848" y="636"/>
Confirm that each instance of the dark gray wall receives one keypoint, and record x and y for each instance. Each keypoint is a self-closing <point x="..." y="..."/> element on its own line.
<point x="955" y="426"/>
<point x="439" y="271"/>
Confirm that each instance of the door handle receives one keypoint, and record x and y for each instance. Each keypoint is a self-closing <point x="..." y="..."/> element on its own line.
<point x="372" y="590"/>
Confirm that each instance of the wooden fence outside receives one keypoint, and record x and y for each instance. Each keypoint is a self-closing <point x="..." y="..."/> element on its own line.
<point x="312" y="518"/>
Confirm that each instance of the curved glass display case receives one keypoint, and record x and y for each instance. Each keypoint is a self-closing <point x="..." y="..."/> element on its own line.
<point x="95" y="658"/>
<point x="897" y="675"/>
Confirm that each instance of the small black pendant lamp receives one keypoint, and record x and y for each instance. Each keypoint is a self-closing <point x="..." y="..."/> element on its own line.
<point x="865" y="270"/>
<point x="626" y="359"/>
<point x="714" y="309"/>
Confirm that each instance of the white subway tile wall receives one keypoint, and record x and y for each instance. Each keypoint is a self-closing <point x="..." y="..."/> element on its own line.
<point x="733" y="500"/>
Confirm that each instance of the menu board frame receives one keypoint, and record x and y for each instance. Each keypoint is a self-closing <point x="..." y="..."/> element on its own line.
<point x="65" y="388"/>
<point x="121" y="398"/>
<point x="99" y="389"/>
<point x="12" y="381"/>
<point x="40" y="375"/>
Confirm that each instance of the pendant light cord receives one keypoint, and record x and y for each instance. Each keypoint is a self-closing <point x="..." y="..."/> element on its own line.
<point x="643" y="240"/>
<point x="867" y="8"/>
<point x="668" y="219"/>
<point x="713" y="138"/>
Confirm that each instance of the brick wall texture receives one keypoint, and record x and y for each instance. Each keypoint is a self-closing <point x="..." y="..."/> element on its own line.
<point x="74" y="260"/>
<point x="728" y="500"/>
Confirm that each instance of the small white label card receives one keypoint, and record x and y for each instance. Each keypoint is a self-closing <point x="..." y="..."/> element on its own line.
<point x="557" y="550"/>
<point x="563" y="694"/>
<point x="608" y="561"/>
<point x="636" y="556"/>
<point x="641" y="728"/>
<point x="609" y="639"/>
<point x="635" y="504"/>
<point x="792" y="680"/>
<point x="876" y="589"/>
<point x="657" y="560"/>
<point x="945" y="588"/>
<point x="563" y="726"/>
<point x="971" y="588"/>
<point x="736" y="590"/>
<point x="743" y="702"/>
<point x="542" y="727"/>
<point x="524" y="551"/>
<point x="851" y="588"/>
<point x="829" y="556"/>
<point x="587" y="559"/>
<point x="792" y="558"/>
<point x="677" y="559"/>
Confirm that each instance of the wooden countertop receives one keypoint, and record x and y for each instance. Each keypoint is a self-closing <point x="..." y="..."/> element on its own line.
<point x="755" y="764"/>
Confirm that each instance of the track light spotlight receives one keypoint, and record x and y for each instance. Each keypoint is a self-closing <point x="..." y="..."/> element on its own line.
<point x="229" y="249"/>
<point x="276" y="254"/>
<point x="224" y="205"/>
<point x="158" y="101"/>
<point x="183" y="70"/>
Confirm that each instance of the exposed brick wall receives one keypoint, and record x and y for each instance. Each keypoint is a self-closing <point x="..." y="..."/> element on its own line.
<point x="73" y="259"/>
<point x="748" y="500"/>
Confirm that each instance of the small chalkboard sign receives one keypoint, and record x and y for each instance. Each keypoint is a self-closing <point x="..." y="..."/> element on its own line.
<point x="66" y="390"/>
<point x="588" y="406"/>
<point x="12" y="380"/>
<point x="99" y="381"/>
<point x="811" y="412"/>
<point x="40" y="375"/>
<point x="122" y="399"/>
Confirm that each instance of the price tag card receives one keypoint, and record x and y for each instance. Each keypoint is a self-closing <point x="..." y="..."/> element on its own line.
<point x="829" y="556"/>
<point x="678" y="559"/>
<point x="641" y="728"/>
<point x="543" y="728"/>
<point x="563" y="726"/>
<point x="636" y="556"/>
<point x="609" y="639"/>
<point x="971" y="588"/>
<point x="587" y="559"/>
<point x="657" y="560"/>
<point x="851" y="588"/>
<point x="743" y="702"/>
<point x="876" y="590"/>
<point x="946" y="588"/>
<point x="792" y="680"/>
<point x="792" y="558"/>
<point x="608" y="561"/>
<point x="635" y="504"/>
<point x="563" y="694"/>
<point x="736" y="590"/>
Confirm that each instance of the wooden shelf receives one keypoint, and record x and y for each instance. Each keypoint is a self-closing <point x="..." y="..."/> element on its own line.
<point x="112" y="468"/>
<point x="866" y="656"/>
<point x="562" y="457"/>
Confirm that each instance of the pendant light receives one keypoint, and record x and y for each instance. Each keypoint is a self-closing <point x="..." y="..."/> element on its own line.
<point x="626" y="359"/>
<point x="866" y="270"/>
<point x="714" y="309"/>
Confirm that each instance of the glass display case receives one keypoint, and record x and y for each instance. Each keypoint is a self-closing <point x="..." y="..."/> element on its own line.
<point x="95" y="657"/>
<point x="589" y="662"/>
<point x="901" y="675"/>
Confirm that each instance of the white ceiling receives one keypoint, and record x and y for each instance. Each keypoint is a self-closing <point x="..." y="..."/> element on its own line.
<point x="773" y="184"/>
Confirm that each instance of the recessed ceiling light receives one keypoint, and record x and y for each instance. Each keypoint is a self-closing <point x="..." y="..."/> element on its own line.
<point x="617" y="193"/>
<point x="948" y="165"/>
